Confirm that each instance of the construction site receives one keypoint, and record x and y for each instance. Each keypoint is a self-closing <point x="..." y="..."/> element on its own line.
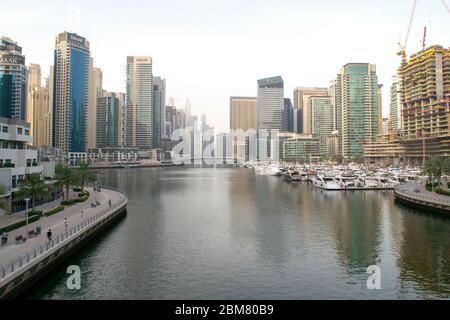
<point x="424" y="87"/>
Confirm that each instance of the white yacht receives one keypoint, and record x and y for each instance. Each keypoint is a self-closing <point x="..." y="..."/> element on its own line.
<point x="326" y="183"/>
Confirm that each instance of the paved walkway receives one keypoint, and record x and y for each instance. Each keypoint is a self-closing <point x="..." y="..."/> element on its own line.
<point x="74" y="214"/>
<point x="411" y="188"/>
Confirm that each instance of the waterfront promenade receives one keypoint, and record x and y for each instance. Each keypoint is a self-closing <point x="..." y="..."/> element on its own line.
<point x="416" y="194"/>
<point x="79" y="217"/>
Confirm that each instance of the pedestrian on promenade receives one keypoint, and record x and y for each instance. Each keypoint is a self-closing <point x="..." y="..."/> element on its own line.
<point x="65" y="223"/>
<point x="49" y="235"/>
<point x="110" y="203"/>
<point x="4" y="238"/>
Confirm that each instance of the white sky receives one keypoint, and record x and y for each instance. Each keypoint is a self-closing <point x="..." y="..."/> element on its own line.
<point x="210" y="50"/>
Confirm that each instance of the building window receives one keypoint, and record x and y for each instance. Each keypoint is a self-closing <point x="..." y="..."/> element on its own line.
<point x="28" y="162"/>
<point x="27" y="132"/>
<point x="4" y="145"/>
<point x="5" y="129"/>
<point x="19" y="130"/>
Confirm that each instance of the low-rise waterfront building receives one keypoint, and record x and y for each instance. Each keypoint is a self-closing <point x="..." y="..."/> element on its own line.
<point x="301" y="148"/>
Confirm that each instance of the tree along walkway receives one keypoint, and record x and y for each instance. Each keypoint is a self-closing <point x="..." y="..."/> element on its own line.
<point x="57" y="223"/>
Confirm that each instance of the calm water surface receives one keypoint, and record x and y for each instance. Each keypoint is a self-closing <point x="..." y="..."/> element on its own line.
<point x="225" y="233"/>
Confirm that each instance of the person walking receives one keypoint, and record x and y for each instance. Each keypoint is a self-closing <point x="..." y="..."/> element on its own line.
<point x="4" y="239"/>
<point x="49" y="235"/>
<point x="65" y="223"/>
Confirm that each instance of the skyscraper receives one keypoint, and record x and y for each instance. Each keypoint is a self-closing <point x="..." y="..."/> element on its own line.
<point x="159" y="101"/>
<point x="322" y="120"/>
<point x="122" y="114"/>
<point x="380" y="107"/>
<point x="243" y="113"/>
<point x="38" y="103"/>
<point x="95" y="92"/>
<point x="139" y="102"/>
<point x="270" y="103"/>
<point x="108" y="107"/>
<point x="395" y="111"/>
<point x="71" y="92"/>
<point x="48" y="126"/>
<point x="301" y="96"/>
<point x="13" y="80"/>
<point x="288" y="115"/>
<point x="357" y="107"/>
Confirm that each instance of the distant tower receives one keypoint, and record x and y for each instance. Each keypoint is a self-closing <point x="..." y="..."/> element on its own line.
<point x="71" y="92"/>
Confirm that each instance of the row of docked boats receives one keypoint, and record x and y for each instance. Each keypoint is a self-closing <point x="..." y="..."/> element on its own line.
<point x="342" y="177"/>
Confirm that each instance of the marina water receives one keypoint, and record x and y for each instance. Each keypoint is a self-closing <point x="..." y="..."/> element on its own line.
<point x="226" y="233"/>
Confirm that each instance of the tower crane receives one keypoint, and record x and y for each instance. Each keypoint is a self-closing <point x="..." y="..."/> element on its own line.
<point x="446" y="5"/>
<point x="401" y="52"/>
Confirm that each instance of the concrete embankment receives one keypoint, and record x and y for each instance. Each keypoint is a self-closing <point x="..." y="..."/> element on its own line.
<point x="36" y="258"/>
<point x="416" y="196"/>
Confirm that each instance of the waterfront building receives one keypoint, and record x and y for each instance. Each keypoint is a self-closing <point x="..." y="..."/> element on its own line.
<point x="288" y="114"/>
<point x="380" y="108"/>
<point x="395" y="111"/>
<point x="422" y="90"/>
<point x="122" y="114"/>
<point x="301" y="96"/>
<point x="113" y="155"/>
<point x="270" y="103"/>
<point x="38" y="107"/>
<point x="243" y="113"/>
<point x="356" y="107"/>
<point x="108" y="108"/>
<point x="139" y="102"/>
<point x="159" y="101"/>
<point x="301" y="148"/>
<point x="95" y="92"/>
<point x="48" y="124"/>
<point x="386" y="150"/>
<point x="17" y="161"/>
<point x="13" y="80"/>
<point x="321" y="116"/>
<point x="332" y="145"/>
<point x="71" y="92"/>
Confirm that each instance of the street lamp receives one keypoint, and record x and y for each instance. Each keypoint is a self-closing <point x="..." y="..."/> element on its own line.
<point x="27" y="200"/>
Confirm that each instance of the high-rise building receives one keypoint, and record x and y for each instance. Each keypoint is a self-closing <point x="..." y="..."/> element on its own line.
<point x="270" y="103"/>
<point x="139" y="102"/>
<point x="108" y="108"/>
<point x="170" y="116"/>
<point x="288" y="115"/>
<point x="38" y="105"/>
<point x="395" y="110"/>
<point x="322" y="120"/>
<point x="243" y="113"/>
<point x="356" y="107"/>
<point x="13" y="80"/>
<point x="301" y="96"/>
<point x="159" y="102"/>
<point x="380" y="107"/>
<point x="48" y="125"/>
<point x="71" y="92"/>
<point x="95" y="92"/>
<point x="122" y="114"/>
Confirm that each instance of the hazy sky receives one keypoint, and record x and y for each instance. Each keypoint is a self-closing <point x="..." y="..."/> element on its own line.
<point x="210" y="50"/>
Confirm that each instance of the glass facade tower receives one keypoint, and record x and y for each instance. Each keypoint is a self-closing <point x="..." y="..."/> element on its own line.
<point x="71" y="92"/>
<point x="13" y="81"/>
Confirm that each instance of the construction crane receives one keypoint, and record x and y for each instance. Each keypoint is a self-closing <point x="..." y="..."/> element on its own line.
<point x="446" y="6"/>
<point x="401" y="52"/>
<point x="424" y="38"/>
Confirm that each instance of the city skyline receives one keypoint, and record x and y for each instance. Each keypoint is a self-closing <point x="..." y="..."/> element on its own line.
<point x="186" y="52"/>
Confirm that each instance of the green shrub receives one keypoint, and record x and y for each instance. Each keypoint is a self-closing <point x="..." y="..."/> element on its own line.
<point x="67" y="202"/>
<point x="448" y="185"/>
<point x="54" y="211"/>
<point x="82" y="199"/>
<point x="443" y="192"/>
<point x="19" y="224"/>
<point x="35" y="213"/>
<point x="76" y="189"/>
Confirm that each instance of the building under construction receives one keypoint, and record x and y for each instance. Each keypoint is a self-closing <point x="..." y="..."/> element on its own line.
<point x="425" y="111"/>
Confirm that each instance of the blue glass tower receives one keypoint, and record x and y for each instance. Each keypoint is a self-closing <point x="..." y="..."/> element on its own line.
<point x="71" y="92"/>
<point x="13" y="81"/>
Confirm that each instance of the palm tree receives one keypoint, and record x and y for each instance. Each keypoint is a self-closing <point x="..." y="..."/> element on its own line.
<point x="66" y="177"/>
<point x="429" y="169"/>
<point x="34" y="187"/>
<point x="4" y="204"/>
<point x="85" y="175"/>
